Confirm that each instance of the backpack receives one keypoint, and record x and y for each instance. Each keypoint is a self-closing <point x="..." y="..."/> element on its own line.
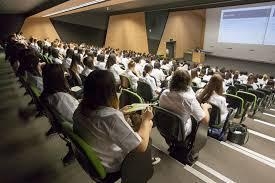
<point x="238" y="133"/>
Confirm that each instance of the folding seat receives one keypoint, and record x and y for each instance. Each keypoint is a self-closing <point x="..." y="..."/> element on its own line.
<point x="240" y="87"/>
<point x="250" y="100"/>
<point x="170" y="126"/>
<point x="136" y="167"/>
<point x="269" y="96"/>
<point x="145" y="91"/>
<point x="236" y="102"/>
<point x="128" y="97"/>
<point x="231" y="90"/>
<point x="217" y="129"/>
<point x="260" y="99"/>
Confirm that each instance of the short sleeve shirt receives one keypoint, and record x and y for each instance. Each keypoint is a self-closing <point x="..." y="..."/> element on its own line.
<point x="110" y="136"/>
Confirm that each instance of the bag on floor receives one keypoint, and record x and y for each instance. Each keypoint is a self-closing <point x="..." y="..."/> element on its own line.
<point x="238" y="134"/>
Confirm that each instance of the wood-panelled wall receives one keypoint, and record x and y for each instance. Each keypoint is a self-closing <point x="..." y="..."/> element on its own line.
<point x="39" y="28"/>
<point x="184" y="27"/>
<point x="128" y="32"/>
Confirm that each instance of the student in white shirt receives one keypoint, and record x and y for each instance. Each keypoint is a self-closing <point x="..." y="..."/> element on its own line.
<point x="98" y="121"/>
<point x="181" y="99"/>
<point x="138" y="67"/>
<point x="132" y="75"/>
<point x="208" y="76"/>
<point x="158" y="74"/>
<point x="88" y="65"/>
<point x="34" y="71"/>
<point x="101" y="62"/>
<point x="149" y="79"/>
<point x="251" y="81"/>
<point x="114" y="68"/>
<point x="166" y="66"/>
<point x="55" y="54"/>
<point x="228" y="79"/>
<point x="213" y="93"/>
<point x="56" y="91"/>
<point x="195" y="79"/>
<point x="74" y="71"/>
<point x="68" y="60"/>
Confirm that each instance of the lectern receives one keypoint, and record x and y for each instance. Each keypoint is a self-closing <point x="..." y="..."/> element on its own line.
<point x="198" y="57"/>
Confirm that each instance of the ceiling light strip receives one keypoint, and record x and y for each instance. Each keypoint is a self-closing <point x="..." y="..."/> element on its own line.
<point x="75" y="7"/>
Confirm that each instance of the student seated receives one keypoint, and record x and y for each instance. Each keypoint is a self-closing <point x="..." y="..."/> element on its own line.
<point x="132" y="74"/>
<point x="74" y="71"/>
<point x="56" y="91"/>
<point x="55" y="55"/>
<point x="99" y="122"/>
<point x="181" y="99"/>
<point x="88" y="65"/>
<point x="101" y="62"/>
<point x="68" y="60"/>
<point x="113" y="67"/>
<point x="251" y="81"/>
<point x="213" y="93"/>
<point x="34" y="73"/>
<point x="149" y="79"/>
<point x="195" y="78"/>
<point x="158" y="74"/>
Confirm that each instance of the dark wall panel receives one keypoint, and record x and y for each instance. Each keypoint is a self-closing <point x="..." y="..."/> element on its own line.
<point x="78" y="33"/>
<point x="9" y="24"/>
<point x="155" y="24"/>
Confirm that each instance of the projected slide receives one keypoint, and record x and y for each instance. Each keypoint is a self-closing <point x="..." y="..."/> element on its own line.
<point x="270" y="32"/>
<point x="244" y="25"/>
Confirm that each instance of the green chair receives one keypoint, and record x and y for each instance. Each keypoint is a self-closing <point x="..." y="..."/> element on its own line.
<point x="86" y="156"/>
<point x="260" y="98"/>
<point x="237" y="102"/>
<point x="240" y="87"/>
<point x="269" y="95"/>
<point x="250" y="99"/>
<point x="128" y="97"/>
<point x="231" y="90"/>
<point x="170" y="126"/>
<point x="145" y="91"/>
<point x="92" y="165"/>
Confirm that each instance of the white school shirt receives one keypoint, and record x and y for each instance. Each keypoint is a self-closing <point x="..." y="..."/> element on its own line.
<point x="133" y="79"/>
<point x="86" y="71"/>
<point x="57" y="61"/>
<point x="151" y="81"/>
<point x="139" y="69"/>
<point x="67" y="63"/>
<point x="101" y="65"/>
<point x="107" y="132"/>
<point x="159" y="75"/>
<point x="197" y="80"/>
<point x="219" y="101"/>
<point x="116" y="70"/>
<point x="184" y="104"/>
<point x="64" y="103"/>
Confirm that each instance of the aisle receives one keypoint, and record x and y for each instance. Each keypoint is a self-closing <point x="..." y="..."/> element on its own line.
<point x="226" y="162"/>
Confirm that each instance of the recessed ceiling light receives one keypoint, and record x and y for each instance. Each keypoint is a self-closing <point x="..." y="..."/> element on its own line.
<point x="108" y="8"/>
<point x="75" y="7"/>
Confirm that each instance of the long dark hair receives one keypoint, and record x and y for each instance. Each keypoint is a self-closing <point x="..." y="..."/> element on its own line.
<point x="214" y="84"/>
<point x="100" y="90"/>
<point x="75" y="61"/>
<point x="111" y="61"/>
<point x="53" y="80"/>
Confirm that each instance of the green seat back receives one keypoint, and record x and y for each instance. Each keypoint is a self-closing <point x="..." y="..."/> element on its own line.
<point x="240" y="87"/>
<point x="231" y="90"/>
<point x="235" y="102"/>
<point x="248" y="97"/>
<point x="128" y="97"/>
<point x="86" y="150"/>
<point x="145" y="91"/>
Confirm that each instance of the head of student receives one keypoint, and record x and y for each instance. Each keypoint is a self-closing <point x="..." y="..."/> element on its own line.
<point x="215" y="84"/>
<point x="131" y="65"/>
<point x="54" y="79"/>
<point x="147" y="69"/>
<point x="89" y="62"/>
<point x="180" y="81"/>
<point x="100" y="90"/>
<point x="111" y="61"/>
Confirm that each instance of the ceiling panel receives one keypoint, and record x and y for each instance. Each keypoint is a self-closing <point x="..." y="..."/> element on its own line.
<point x="18" y="6"/>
